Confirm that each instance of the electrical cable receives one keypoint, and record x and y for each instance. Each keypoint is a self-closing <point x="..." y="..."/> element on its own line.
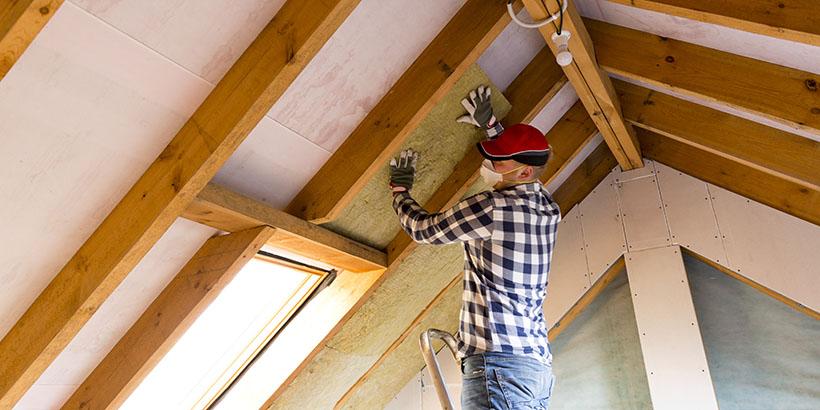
<point x="562" y="7"/>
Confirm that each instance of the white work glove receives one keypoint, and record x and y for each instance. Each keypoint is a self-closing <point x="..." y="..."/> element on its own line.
<point x="480" y="112"/>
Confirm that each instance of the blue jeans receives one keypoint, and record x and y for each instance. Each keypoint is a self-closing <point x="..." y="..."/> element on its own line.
<point x="505" y="381"/>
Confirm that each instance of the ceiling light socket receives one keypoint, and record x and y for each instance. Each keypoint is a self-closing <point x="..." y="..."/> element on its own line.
<point x="562" y="54"/>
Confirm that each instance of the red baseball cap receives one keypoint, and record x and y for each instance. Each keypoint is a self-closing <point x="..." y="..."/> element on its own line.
<point x="520" y="142"/>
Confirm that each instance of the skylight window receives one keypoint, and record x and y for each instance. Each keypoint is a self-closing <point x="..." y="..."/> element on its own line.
<point x="226" y="336"/>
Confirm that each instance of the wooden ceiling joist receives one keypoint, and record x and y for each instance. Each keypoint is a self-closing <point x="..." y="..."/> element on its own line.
<point x="585" y="178"/>
<point x="594" y="88"/>
<point x="20" y="22"/>
<point x="208" y="138"/>
<point x="381" y="133"/>
<point x="568" y="137"/>
<point x="794" y="20"/>
<point x="167" y="318"/>
<point x="223" y="209"/>
<point x="751" y="182"/>
<point x="784" y="95"/>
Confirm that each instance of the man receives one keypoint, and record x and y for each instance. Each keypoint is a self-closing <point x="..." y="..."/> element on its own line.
<point x="508" y="236"/>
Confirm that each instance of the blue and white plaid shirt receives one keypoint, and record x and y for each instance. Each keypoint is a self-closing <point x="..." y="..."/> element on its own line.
<point x="508" y="239"/>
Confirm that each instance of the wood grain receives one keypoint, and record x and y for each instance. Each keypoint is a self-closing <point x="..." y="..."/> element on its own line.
<point x="787" y="196"/>
<point x="400" y="111"/>
<point x="585" y="178"/>
<point x="794" y="20"/>
<point x="20" y="22"/>
<point x="223" y="209"/>
<point x="567" y="138"/>
<point x="171" y="182"/>
<point x="785" y="95"/>
<point x="167" y="318"/>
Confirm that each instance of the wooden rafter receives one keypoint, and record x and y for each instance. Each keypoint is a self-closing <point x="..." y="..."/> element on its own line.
<point x="585" y="178"/>
<point x="785" y="195"/>
<point x="785" y="95"/>
<point x="167" y="318"/>
<point x="568" y="137"/>
<point x="594" y="88"/>
<point x="794" y="20"/>
<point x="20" y="22"/>
<point x="400" y="111"/>
<point x="204" y="143"/>
<point x="223" y="209"/>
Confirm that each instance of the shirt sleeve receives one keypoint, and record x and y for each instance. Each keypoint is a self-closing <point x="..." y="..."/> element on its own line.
<point x="470" y="219"/>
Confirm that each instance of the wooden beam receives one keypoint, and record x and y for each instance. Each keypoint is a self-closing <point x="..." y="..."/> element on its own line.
<point x="223" y="209"/>
<point x="793" y="20"/>
<point x="782" y="194"/>
<point x="585" y="178"/>
<point x="199" y="282"/>
<point x="528" y="94"/>
<point x="568" y="137"/>
<point x="785" y="95"/>
<point x="400" y="111"/>
<point x="592" y="85"/>
<point x="762" y="289"/>
<point x="20" y="22"/>
<point x="596" y="289"/>
<point x="204" y="143"/>
<point x="770" y="150"/>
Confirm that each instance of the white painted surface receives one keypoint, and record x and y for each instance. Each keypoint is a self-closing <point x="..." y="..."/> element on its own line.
<point x="205" y="37"/>
<point x="642" y="213"/>
<point x="770" y="247"/>
<point x="573" y="164"/>
<point x="272" y="165"/>
<point x="116" y="315"/>
<point x="569" y="277"/>
<point x="563" y="100"/>
<point x="689" y="213"/>
<point x="409" y="398"/>
<point x="671" y="344"/>
<point x="82" y="115"/>
<point x="510" y="53"/>
<point x="602" y="227"/>
<point x="358" y="65"/>
<point x="647" y="170"/>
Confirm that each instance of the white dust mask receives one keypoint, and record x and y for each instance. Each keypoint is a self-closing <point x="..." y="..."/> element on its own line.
<point x="488" y="174"/>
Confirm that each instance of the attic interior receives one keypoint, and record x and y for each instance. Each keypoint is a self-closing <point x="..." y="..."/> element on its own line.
<point x="197" y="212"/>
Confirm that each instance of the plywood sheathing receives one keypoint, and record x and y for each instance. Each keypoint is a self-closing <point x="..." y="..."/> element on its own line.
<point x="441" y="143"/>
<point x="400" y="365"/>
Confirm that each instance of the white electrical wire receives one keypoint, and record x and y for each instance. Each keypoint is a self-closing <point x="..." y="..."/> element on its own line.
<point x="538" y="23"/>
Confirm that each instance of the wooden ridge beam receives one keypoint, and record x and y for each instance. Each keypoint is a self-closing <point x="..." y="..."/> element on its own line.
<point x="528" y="94"/>
<point x="191" y="291"/>
<point x="793" y="20"/>
<point x="20" y="22"/>
<point x="768" y="149"/>
<point x="223" y="209"/>
<point x="392" y="120"/>
<point x="784" y="95"/>
<point x="585" y="178"/>
<point x="203" y="144"/>
<point x="763" y="187"/>
<point x="594" y="88"/>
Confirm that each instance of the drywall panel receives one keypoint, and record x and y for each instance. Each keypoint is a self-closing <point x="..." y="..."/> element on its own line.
<point x="568" y="276"/>
<point x="272" y="164"/>
<point x="555" y="108"/>
<point x="451" y="372"/>
<point x="205" y="37"/>
<point x="597" y="358"/>
<point x="82" y="114"/>
<point x="403" y="363"/>
<point x="762" y="353"/>
<point x="409" y="398"/>
<point x="358" y="65"/>
<point x="601" y="224"/>
<point x="770" y="247"/>
<point x="688" y="208"/>
<point x="441" y="143"/>
<point x="642" y="212"/>
<point x="511" y="51"/>
<point x="117" y="314"/>
<point x="673" y="352"/>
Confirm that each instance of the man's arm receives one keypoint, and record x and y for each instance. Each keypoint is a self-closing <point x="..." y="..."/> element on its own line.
<point x="470" y="219"/>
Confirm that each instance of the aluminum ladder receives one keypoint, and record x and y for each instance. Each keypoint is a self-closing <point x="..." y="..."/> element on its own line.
<point x="426" y="344"/>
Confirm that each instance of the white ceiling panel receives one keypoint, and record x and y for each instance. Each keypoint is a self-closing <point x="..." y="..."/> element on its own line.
<point x="272" y="165"/>
<point x="118" y="313"/>
<point x="82" y="114"/>
<point x="204" y="36"/>
<point x="358" y="65"/>
<point x="510" y="53"/>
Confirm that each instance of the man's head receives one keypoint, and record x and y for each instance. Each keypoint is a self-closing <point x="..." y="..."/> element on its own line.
<point x="519" y="155"/>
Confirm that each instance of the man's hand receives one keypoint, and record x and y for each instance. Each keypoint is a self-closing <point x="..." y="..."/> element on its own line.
<point x="480" y="112"/>
<point x="403" y="171"/>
